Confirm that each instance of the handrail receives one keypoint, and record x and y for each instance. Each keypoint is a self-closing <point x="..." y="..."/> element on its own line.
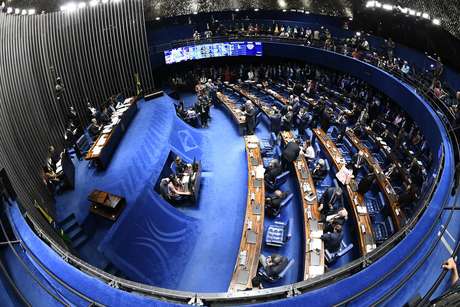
<point x="267" y="294"/>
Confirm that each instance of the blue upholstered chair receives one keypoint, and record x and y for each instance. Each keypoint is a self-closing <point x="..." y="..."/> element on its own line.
<point x="374" y="206"/>
<point x="279" y="233"/>
<point x="279" y="180"/>
<point x="332" y="257"/>
<point x="383" y="230"/>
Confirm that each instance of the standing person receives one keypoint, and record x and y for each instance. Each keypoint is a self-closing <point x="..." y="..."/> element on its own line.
<point x="251" y="113"/>
<point x="290" y="154"/>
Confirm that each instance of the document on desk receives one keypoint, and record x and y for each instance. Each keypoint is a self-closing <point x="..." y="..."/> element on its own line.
<point x="316" y="234"/>
<point x="251" y="237"/>
<point x="315" y="270"/>
<point x="260" y="171"/>
<point x="315" y="244"/>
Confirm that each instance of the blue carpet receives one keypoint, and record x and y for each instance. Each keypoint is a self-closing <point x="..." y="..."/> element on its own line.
<point x="220" y="210"/>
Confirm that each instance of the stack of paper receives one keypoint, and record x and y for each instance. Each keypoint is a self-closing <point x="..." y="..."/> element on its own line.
<point x="315" y="270"/>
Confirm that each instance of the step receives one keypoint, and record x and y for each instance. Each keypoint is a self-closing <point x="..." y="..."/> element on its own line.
<point x="75" y="233"/>
<point x="70" y="226"/>
<point x="79" y="241"/>
<point x="67" y="220"/>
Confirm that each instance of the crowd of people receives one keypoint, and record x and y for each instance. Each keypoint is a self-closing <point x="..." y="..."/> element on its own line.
<point x="356" y="45"/>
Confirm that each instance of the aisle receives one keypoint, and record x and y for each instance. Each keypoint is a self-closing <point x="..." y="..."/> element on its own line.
<point x="220" y="210"/>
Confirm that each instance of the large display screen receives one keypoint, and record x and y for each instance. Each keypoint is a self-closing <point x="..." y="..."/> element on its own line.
<point x="205" y="51"/>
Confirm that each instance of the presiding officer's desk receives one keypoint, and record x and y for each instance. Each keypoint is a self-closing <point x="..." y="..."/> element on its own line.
<point x="253" y="227"/>
<point x="382" y="181"/>
<point x="313" y="229"/>
<point x="237" y="113"/>
<point x="264" y="107"/>
<point x="363" y="221"/>
<point x="102" y="150"/>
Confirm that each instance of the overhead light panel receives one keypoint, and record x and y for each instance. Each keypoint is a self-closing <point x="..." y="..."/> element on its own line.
<point x="436" y="22"/>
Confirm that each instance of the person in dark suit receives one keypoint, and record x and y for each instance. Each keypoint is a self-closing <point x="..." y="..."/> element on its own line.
<point x="366" y="183"/>
<point x="181" y="166"/>
<point x="274" y="264"/>
<point x="273" y="203"/>
<point x="94" y="129"/>
<point x="332" y="240"/>
<point x="52" y="158"/>
<point x="357" y="162"/>
<point x="286" y="120"/>
<point x="331" y="201"/>
<point x="319" y="170"/>
<point x="273" y="170"/>
<point x="339" y="218"/>
<point x="290" y="153"/>
<point x="326" y="119"/>
<point x="251" y="113"/>
<point x="303" y="119"/>
<point x="407" y="198"/>
<point x="275" y="121"/>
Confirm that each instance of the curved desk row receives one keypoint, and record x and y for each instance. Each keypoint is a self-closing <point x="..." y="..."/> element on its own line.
<point x="264" y="107"/>
<point x="363" y="221"/>
<point x="382" y="181"/>
<point x="237" y="114"/>
<point x="313" y="229"/>
<point x="252" y="237"/>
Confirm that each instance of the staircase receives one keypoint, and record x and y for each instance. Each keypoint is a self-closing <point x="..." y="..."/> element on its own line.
<point x="73" y="231"/>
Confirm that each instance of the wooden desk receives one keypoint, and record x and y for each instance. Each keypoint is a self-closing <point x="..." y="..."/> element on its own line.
<point x="277" y="96"/>
<point x="105" y="145"/>
<point x="382" y="181"/>
<point x="264" y="107"/>
<point x="237" y="114"/>
<point x="313" y="260"/>
<point x="363" y="222"/>
<point x="249" y="252"/>
<point x="390" y="153"/>
<point x="106" y="205"/>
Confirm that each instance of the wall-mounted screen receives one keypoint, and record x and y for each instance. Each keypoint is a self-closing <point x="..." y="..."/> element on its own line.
<point x="205" y="51"/>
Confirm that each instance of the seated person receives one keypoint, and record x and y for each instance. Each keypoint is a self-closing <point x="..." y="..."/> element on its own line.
<point x="172" y="189"/>
<point x="319" y="170"/>
<point x="181" y="166"/>
<point x="273" y="170"/>
<point x="274" y="264"/>
<point x="308" y="151"/>
<point x="339" y="218"/>
<point x="51" y="179"/>
<point x="408" y="196"/>
<point x="290" y="153"/>
<point x="94" y="129"/>
<point x="357" y="162"/>
<point x="52" y="158"/>
<point x="331" y="201"/>
<point x="273" y="202"/>
<point x="332" y="240"/>
<point x="366" y="183"/>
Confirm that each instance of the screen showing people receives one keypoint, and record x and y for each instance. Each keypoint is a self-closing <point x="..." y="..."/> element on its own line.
<point x="205" y="51"/>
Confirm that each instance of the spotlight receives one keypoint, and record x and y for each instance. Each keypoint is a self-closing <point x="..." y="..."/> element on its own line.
<point x="387" y="7"/>
<point x="378" y="4"/>
<point x="105" y="1"/>
<point x="370" y="4"/>
<point x="350" y="19"/>
<point x="17" y="11"/>
<point x="436" y="22"/>
<point x="81" y="5"/>
<point x="358" y="34"/>
<point x="195" y="12"/>
<point x="237" y="10"/>
<point x="282" y="3"/>
<point x="24" y="12"/>
<point x="256" y="10"/>
<point x="116" y="1"/>
<point x="418" y="14"/>
<point x="404" y="10"/>
<point x="93" y="2"/>
<point x="307" y="12"/>
<point x="284" y="11"/>
<point x="157" y="18"/>
<point x="9" y="10"/>
<point x="426" y="16"/>
<point x="412" y="12"/>
<point x="31" y="12"/>
<point x="69" y="7"/>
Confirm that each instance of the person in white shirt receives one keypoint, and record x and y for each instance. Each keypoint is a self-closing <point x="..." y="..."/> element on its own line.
<point x="405" y="68"/>
<point x="308" y="151"/>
